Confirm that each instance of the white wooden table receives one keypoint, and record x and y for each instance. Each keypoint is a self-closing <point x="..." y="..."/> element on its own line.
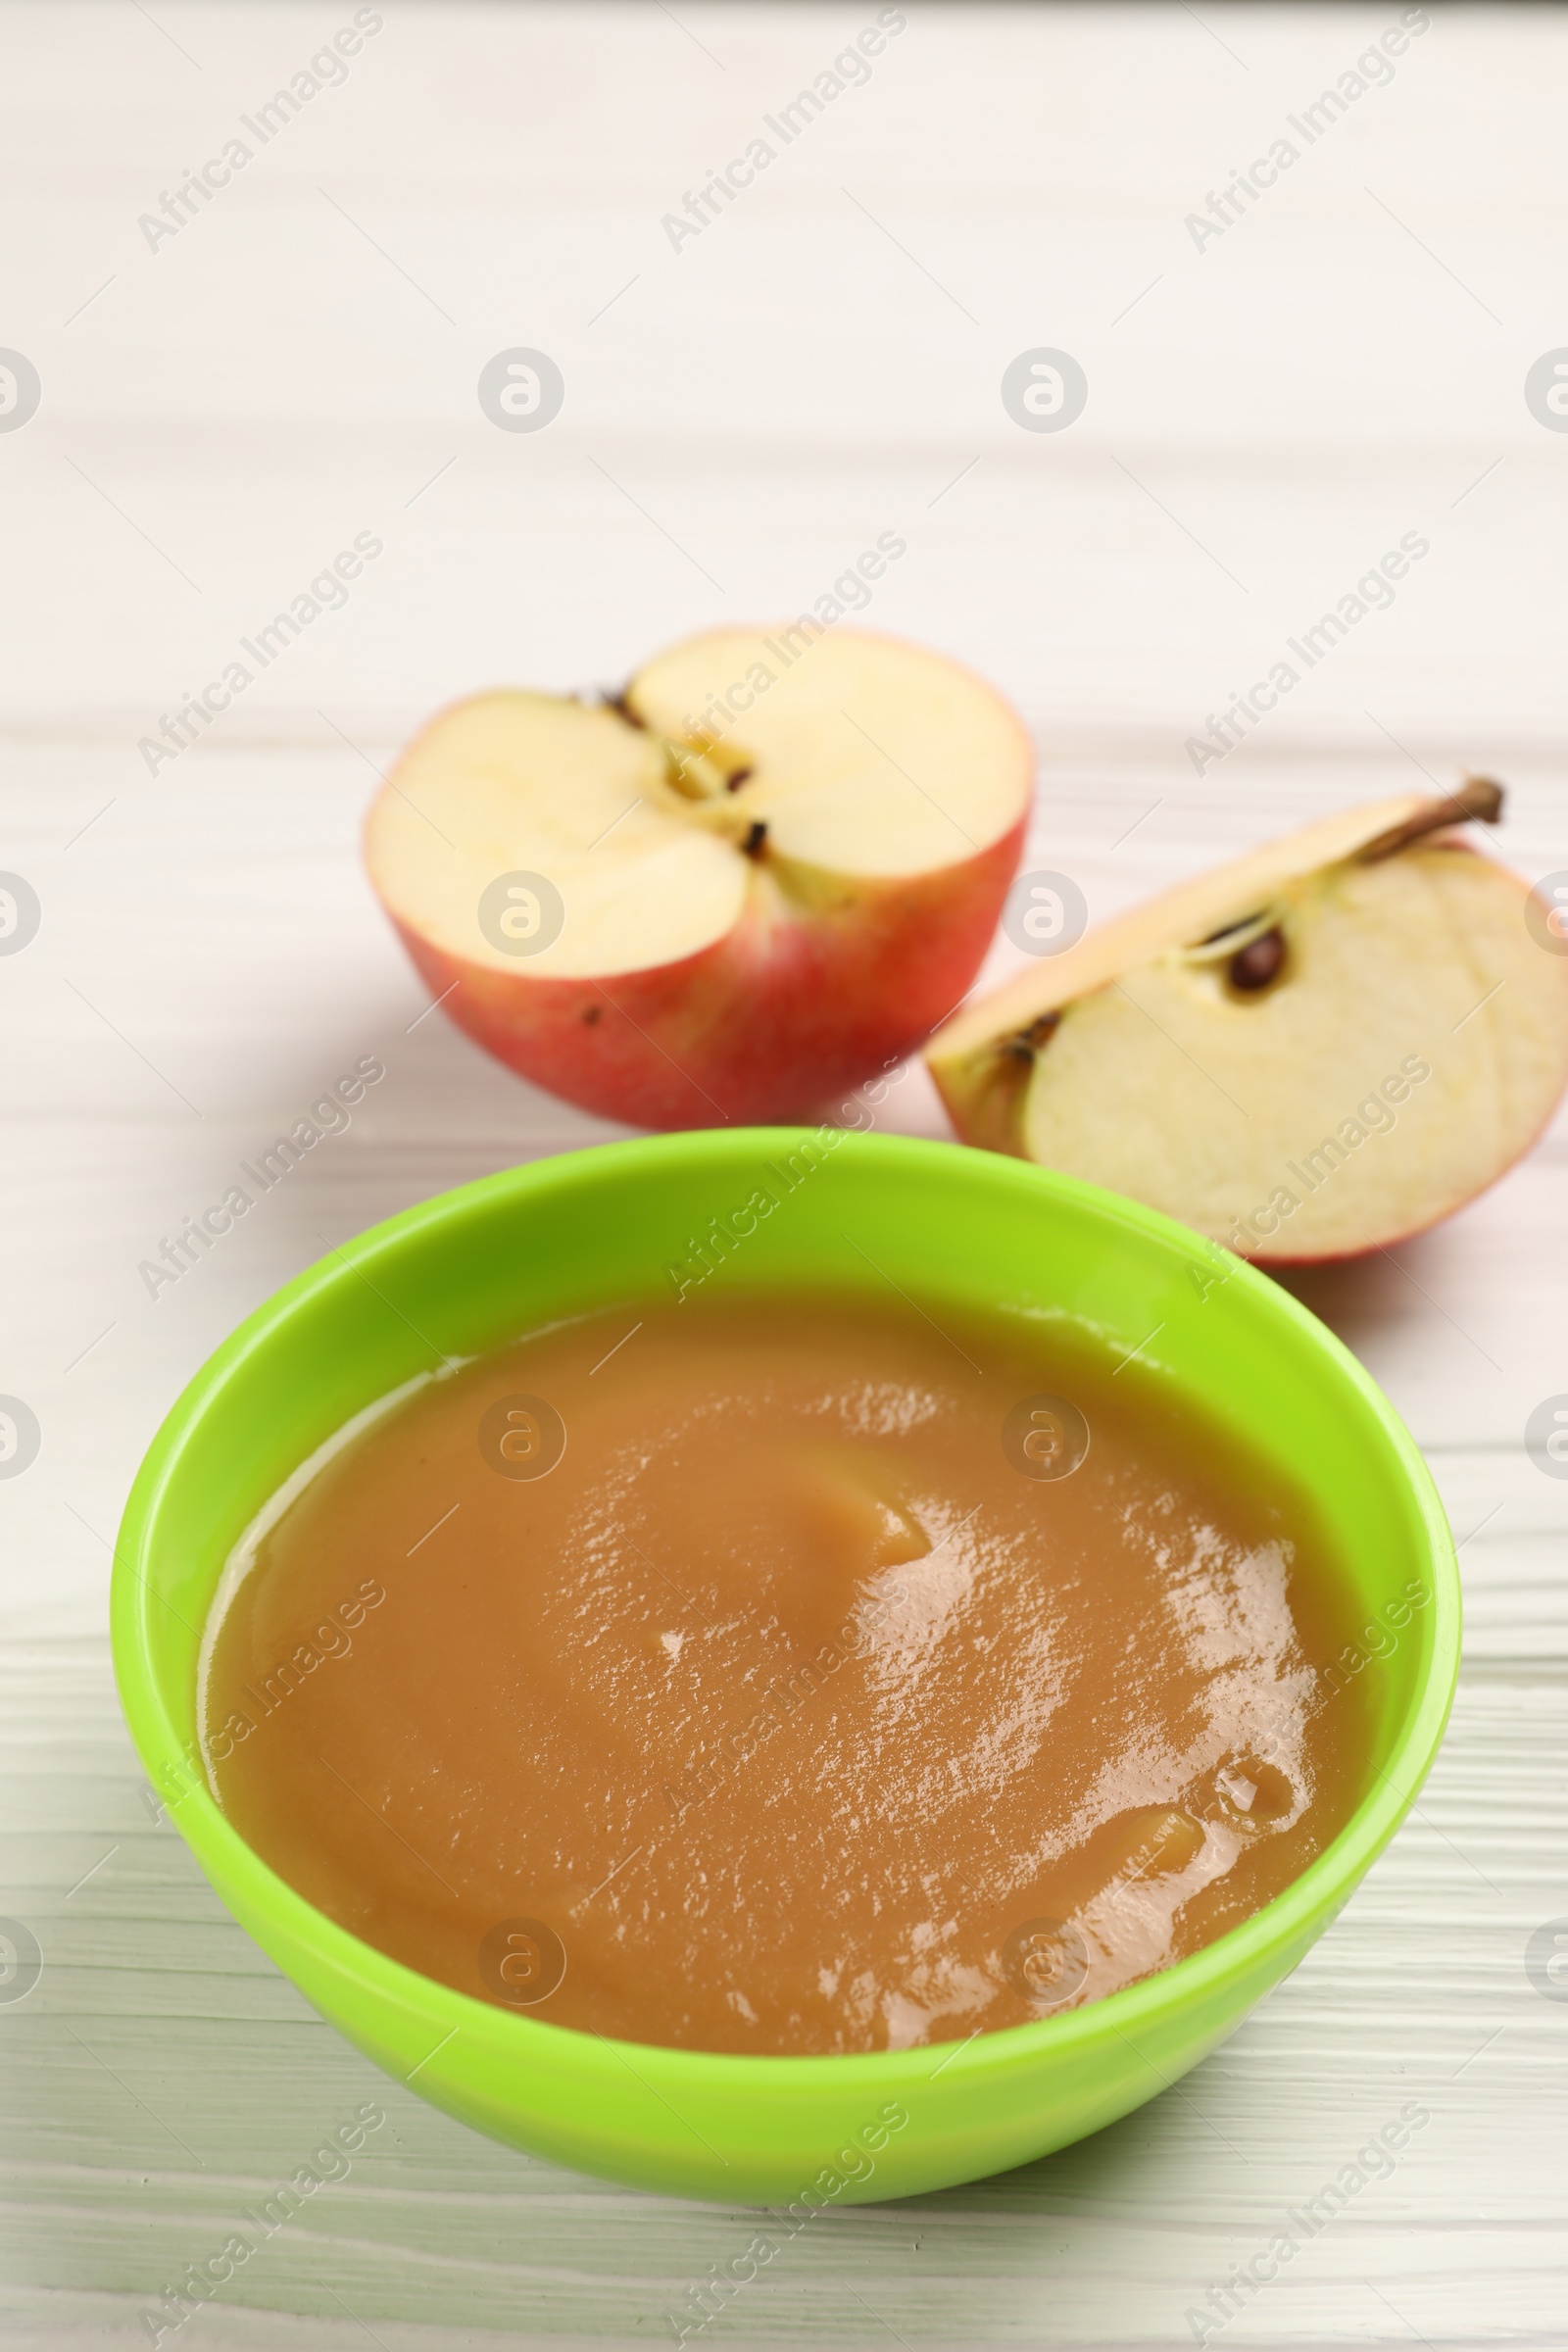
<point x="223" y="409"/>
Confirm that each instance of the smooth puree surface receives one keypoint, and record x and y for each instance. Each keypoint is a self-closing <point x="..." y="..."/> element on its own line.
<point x="778" y="1674"/>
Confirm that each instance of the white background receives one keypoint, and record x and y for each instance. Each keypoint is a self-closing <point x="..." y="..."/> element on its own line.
<point x="219" y="416"/>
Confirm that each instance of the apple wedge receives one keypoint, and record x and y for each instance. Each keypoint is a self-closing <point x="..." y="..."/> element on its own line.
<point x="761" y="874"/>
<point x="1315" y="1052"/>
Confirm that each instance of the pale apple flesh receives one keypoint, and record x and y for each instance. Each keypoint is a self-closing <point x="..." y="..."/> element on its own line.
<point x="769" y="896"/>
<point x="1407" y="1045"/>
<point x="773" y="1021"/>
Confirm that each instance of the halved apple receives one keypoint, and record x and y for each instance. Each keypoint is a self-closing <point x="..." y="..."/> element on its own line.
<point x="770" y="867"/>
<point x="1329" y="1044"/>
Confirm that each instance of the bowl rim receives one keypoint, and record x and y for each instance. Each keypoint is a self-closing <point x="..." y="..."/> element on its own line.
<point x="1295" y="1916"/>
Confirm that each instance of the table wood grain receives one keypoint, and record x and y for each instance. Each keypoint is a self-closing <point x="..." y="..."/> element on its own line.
<point x="225" y="407"/>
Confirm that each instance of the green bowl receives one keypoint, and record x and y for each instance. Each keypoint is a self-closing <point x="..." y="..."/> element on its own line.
<point x="470" y="1270"/>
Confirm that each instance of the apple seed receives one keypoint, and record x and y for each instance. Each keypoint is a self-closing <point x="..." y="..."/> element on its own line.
<point x="1258" y="962"/>
<point x="1028" y="1042"/>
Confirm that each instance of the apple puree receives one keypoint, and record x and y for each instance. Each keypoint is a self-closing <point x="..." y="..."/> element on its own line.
<point x="785" y="1673"/>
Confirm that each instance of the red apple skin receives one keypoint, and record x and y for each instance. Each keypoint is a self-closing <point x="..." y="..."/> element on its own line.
<point x="769" y="1024"/>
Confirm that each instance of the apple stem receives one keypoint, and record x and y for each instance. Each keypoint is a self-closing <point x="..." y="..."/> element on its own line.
<point x="1478" y="800"/>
